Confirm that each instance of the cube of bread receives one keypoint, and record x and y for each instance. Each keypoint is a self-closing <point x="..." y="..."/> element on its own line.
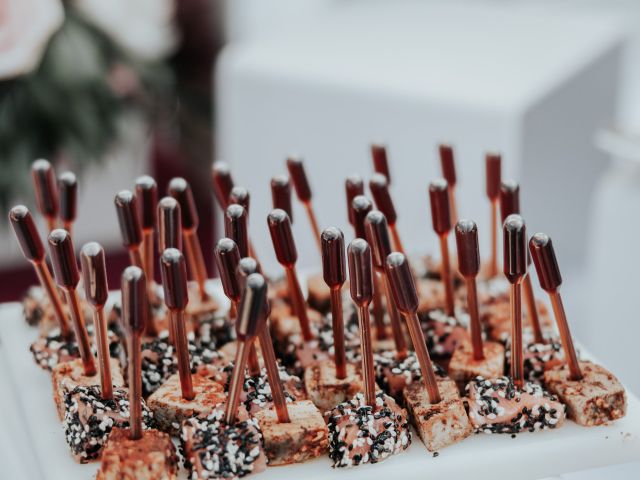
<point x="69" y="375"/>
<point x="326" y="390"/>
<point x="213" y="449"/>
<point x="303" y="438"/>
<point x="463" y="367"/>
<point x="438" y="425"/>
<point x="596" y="399"/>
<point x="151" y="457"/>
<point x="170" y="409"/>
<point x="36" y="306"/>
<point x="359" y="435"/>
<point x="89" y="419"/>
<point x="497" y="405"/>
<point x="431" y="295"/>
<point x="214" y="330"/>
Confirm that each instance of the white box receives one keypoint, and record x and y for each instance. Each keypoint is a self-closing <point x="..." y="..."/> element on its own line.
<point x="532" y="83"/>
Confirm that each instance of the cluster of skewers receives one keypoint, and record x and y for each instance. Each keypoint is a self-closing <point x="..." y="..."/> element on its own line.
<point x="279" y="378"/>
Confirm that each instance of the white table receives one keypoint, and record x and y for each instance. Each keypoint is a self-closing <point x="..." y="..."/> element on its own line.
<point x="39" y="450"/>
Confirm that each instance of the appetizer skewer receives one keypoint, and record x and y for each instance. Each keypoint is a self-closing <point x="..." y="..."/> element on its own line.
<point x="303" y="191"/>
<point x="44" y="185"/>
<point x="68" y="194"/>
<point x="493" y="169"/>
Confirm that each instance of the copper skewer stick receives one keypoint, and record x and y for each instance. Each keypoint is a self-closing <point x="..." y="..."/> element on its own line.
<point x="396" y="326"/>
<point x="135" y="257"/>
<point x="94" y="272"/>
<point x="134" y="315"/>
<point x="32" y="248"/>
<point x="271" y="364"/>
<point x="445" y="272"/>
<point x="515" y="269"/>
<point x="429" y="377"/>
<point x="252" y="358"/>
<point x="298" y="302"/>
<point x="68" y="188"/>
<point x="532" y="311"/>
<point x="334" y="275"/>
<point x="176" y="317"/>
<point x="359" y="208"/>
<point x="314" y="223"/>
<point x="148" y="251"/>
<point x="406" y="297"/>
<point x="367" y="359"/>
<point x="135" y="386"/>
<point x="337" y="320"/>
<point x="67" y="278"/>
<point x="84" y="344"/>
<point x="361" y="289"/>
<point x="544" y="259"/>
<point x="493" y="260"/>
<point x="517" y="368"/>
<point x="251" y="320"/>
<point x="176" y="297"/>
<point x="100" y="325"/>
<point x="510" y="204"/>
<point x="565" y="335"/>
<point x="378" y="237"/>
<point x="469" y="266"/>
<point x="476" y="331"/>
<point x="195" y="259"/>
<point x="493" y="162"/>
<point x="237" y="379"/>
<point x="397" y="243"/>
<point x="46" y="281"/>
<point x="44" y="183"/>
<point x="378" y="308"/>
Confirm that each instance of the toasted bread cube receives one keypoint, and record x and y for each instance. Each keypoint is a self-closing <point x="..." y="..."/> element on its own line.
<point x="596" y="399"/>
<point x="170" y="409"/>
<point x="438" y="425"/>
<point x="36" y="306"/>
<point x="359" y="435"/>
<point x="497" y="405"/>
<point x="463" y="367"/>
<point x="151" y="457"/>
<point x="213" y="449"/>
<point x="325" y="389"/>
<point x="89" y="419"/>
<point x="303" y="438"/>
<point x="69" y="375"/>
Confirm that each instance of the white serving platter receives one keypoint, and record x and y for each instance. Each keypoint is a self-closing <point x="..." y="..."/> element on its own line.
<point x="528" y="456"/>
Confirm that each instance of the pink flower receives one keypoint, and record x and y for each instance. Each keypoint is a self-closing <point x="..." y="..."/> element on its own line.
<point x="26" y="26"/>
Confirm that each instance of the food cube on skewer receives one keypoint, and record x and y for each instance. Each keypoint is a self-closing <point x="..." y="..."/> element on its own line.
<point x="318" y="294"/>
<point x="438" y="425"/>
<point x="498" y="406"/>
<point x="358" y="435"/>
<point x="89" y="419"/>
<point x="538" y="357"/>
<point x="207" y="443"/>
<point x="443" y="333"/>
<point x="393" y="375"/>
<point x="463" y="367"/>
<point x="67" y="376"/>
<point x="151" y="457"/>
<point x="325" y="389"/>
<point x="170" y="408"/>
<point x="596" y="399"/>
<point x="257" y="394"/>
<point x="302" y="438"/>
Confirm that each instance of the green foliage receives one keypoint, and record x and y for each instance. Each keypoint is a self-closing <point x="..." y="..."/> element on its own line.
<point x="67" y="106"/>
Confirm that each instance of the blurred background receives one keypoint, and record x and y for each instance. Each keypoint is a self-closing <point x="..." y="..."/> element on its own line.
<point x="112" y="90"/>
